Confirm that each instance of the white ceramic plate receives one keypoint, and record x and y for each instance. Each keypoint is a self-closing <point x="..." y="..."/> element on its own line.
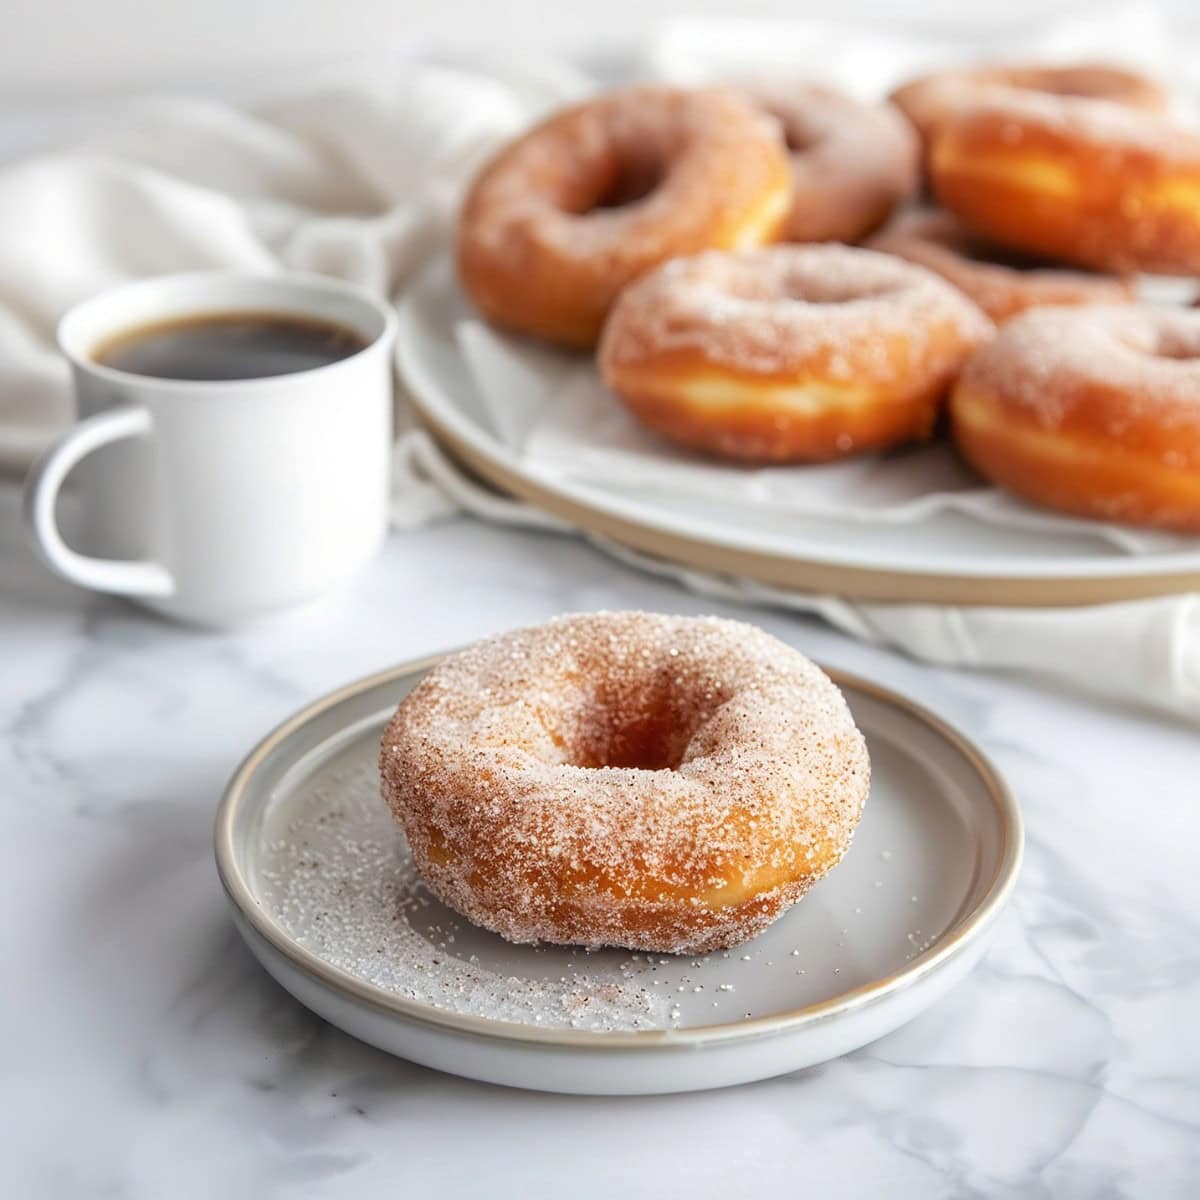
<point x="323" y="890"/>
<point x="951" y="559"/>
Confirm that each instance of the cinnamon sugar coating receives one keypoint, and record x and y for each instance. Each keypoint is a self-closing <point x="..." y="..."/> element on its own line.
<point x="626" y="779"/>
<point x="852" y="163"/>
<point x="560" y="220"/>
<point x="789" y="353"/>
<point x="1093" y="411"/>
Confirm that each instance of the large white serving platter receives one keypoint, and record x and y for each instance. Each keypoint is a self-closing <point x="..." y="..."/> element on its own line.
<point x="950" y="559"/>
<point x="325" y="894"/>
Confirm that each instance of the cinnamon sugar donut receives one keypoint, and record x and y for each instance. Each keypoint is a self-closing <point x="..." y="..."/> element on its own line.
<point x="559" y="221"/>
<point x="626" y="779"/>
<point x="1093" y="411"/>
<point x="852" y="163"/>
<point x="791" y="353"/>
<point x="1087" y="182"/>
<point x="928" y="101"/>
<point x="1000" y="282"/>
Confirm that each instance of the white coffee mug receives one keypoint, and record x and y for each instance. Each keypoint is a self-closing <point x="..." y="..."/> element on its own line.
<point x="219" y="502"/>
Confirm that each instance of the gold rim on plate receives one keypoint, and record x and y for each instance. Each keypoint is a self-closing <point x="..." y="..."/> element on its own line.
<point x="243" y="898"/>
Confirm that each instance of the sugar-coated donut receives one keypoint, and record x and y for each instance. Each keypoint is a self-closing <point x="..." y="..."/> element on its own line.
<point x="626" y="779"/>
<point x="789" y="353"/>
<point x="852" y="163"/>
<point x="563" y="218"/>
<point x="929" y="100"/>
<point x="1001" y="282"/>
<point x="1083" y="181"/>
<point x="1093" y="411"/>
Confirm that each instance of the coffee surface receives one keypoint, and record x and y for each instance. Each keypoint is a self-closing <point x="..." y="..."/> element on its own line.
<point x="245" y="345"/>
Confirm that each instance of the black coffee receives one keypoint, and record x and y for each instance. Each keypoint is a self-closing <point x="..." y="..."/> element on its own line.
<point x="240" y="345"/>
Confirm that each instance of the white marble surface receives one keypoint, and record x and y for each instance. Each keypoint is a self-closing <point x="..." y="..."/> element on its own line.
<point x="145" y="1055"/>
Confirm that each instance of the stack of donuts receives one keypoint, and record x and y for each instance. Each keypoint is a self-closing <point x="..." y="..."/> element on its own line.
<point x="783" y="274"/>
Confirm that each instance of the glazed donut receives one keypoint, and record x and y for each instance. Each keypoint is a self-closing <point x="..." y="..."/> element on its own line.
<point x="1092" y="411"/>
<point x="929" y="100"/>
<point x="789" y="353"/>
<point x="852" y="163"/>
<point x="1083" y="181"/>
<point x="561" y="220"/>
<point x="1000" y="282"/>
<point x="625" y="779"/>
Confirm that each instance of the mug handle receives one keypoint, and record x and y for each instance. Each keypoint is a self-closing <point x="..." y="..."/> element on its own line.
<point x="45" y="479"/>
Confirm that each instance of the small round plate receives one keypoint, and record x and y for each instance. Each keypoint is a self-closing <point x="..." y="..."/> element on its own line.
<point x="324" y="892"/>
<point x="945" y="560"/>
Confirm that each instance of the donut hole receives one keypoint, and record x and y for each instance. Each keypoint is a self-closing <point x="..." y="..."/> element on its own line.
<point x="746" y="280"/>
<point x="632" y="180"/>
<point x="800" y="131"/>
<point x="639" y="741"/>
<point x="643" y="727"/>
<point x="831" y="292"/>
<point x="1177" y="346"/>
<point x="799" y="138"/>
<point x="1166" y="337"/>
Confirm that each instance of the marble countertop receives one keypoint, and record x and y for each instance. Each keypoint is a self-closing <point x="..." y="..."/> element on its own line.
<point x="146" y="1055"/>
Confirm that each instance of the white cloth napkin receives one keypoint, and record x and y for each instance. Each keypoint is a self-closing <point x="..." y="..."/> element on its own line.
<point x="357" y="174"/>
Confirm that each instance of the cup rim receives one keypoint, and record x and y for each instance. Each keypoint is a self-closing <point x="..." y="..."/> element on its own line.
<point x="308" y="281"/>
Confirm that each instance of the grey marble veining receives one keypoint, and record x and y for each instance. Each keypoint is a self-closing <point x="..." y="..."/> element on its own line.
<point x="145" y="1055"/>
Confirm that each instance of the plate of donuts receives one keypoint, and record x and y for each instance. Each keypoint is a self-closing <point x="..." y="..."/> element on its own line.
<point x="326" y="891"/>
<point x="657" y="326"/>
